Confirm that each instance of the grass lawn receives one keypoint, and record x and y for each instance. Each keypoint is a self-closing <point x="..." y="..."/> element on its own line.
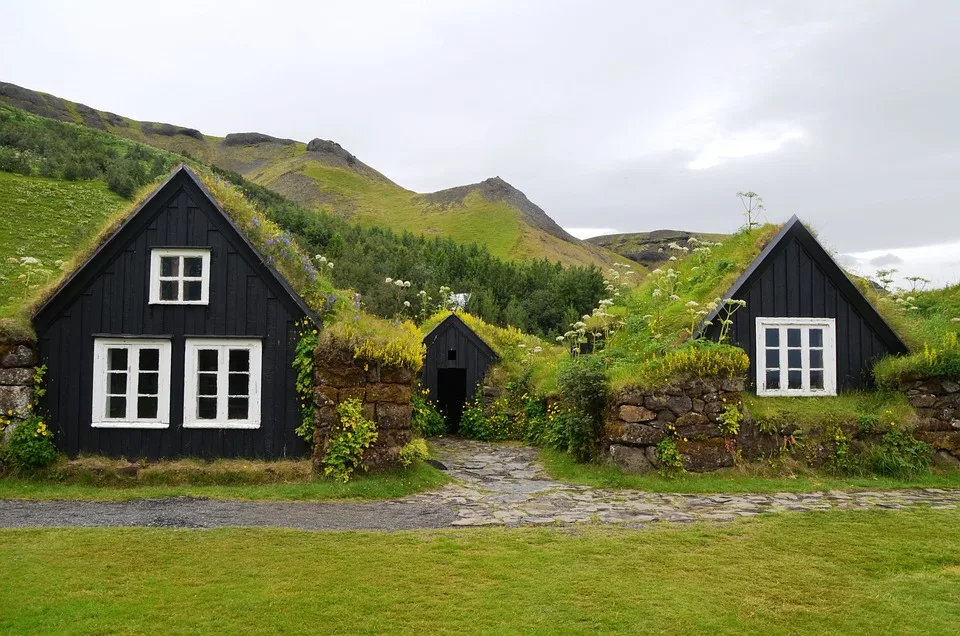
<point x="834" y="572"/>
<point x="750" y="478"/>
<point x="220" y="480"/>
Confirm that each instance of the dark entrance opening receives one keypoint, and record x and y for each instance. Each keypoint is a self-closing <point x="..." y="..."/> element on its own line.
<point x="451" y="394"/>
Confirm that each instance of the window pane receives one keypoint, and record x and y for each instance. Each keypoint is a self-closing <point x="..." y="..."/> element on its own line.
<point x="117" y="359"/>
<point x="237" y="408"/>
<point x="149" y="383"/>
<point x="207" y="384"/>
<point x="773" y="337"/>
<point x="116" y="406"/>
<point x="169" y="265"/>
<point x="773" y="379"/>
<point x="816" y="337"/>
<point x="794" y="359"/>
<point x="207" y="408"/>
<point x="192" y="290"/>
<point x="793" y="337"/>
<point x="816" y="358"/>
<point x="149" y="359"/>
<point x="117" y="383"/>
<point x="207" y="360"/>
<point x="192" y="266"/>
<point x="773" y="358"/>
<point x="147" y="408"/>
<point x="794" y="379"/>
<point x="169" y="290"/>
<point x="816" y="380"/>
<point x="239" y="360"/>
<point x="239" y="382"/>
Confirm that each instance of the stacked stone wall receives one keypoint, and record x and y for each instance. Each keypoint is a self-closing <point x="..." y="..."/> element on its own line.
<point x="639" y="419"/>
<point x="385" y="393"/>
<point x="937" y="402"/>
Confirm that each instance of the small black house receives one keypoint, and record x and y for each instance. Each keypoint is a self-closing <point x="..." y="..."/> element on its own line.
<point x="457" y="360"/>
<point x="173" y="339"/>
<point x="807" y="328"/>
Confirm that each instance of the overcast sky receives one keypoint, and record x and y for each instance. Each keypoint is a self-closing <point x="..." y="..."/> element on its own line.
<point x="624" y="115"/>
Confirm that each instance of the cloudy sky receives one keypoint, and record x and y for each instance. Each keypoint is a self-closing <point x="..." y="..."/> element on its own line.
<point x="625" y="116"/>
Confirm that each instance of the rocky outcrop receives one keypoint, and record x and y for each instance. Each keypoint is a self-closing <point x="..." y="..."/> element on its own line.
<point x="253" y="138"/>
<point x="169" y="130"/>
<point x="937" y="402"/>
<point x="385" y="393"/>
<point x="687" y="411"/>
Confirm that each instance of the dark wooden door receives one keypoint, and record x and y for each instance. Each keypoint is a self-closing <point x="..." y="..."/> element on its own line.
<point x="451" y="395"/>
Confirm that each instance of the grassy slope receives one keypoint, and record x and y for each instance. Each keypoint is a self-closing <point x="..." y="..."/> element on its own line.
<point x="365" y="199"/>
<point x="46" y="219"/>
<point x="840" y="573"/>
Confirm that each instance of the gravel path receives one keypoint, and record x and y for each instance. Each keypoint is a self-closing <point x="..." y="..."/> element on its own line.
<point x="497" y="485"/>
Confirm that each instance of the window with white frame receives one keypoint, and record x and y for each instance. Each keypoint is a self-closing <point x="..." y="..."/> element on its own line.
<point x="796" y="356"/>
<point x="179" y="276"/>
<point x="222" y="387"/>
<point x="131" y="383"/>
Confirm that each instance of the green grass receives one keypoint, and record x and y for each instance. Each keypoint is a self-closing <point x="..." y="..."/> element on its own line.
<point x="224" y="479"/>
<point x="751" y="478"/>
<point x="48" y="220"/>
<point x="811" y="573"/>
<point x="870" y="411"/>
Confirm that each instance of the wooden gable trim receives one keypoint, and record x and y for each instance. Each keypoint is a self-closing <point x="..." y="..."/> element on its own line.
<point x="138" y="221"/>
<point x="795" y="229"/>
<point x="453" y="321"/>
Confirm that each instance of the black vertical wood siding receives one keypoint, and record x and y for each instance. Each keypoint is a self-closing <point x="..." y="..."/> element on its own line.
<point x="113" y="301"/>
<point x="794" y="281"/>
<point x="472" y="354"/>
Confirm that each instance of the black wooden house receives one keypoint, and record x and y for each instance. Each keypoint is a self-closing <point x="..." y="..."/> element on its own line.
<point x="806" y="326"/>
<point x="175" y="338"/>
<point x="457" y="361"/>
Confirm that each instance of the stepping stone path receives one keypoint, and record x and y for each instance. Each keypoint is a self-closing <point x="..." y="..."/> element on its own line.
<point x="505" y="485"/>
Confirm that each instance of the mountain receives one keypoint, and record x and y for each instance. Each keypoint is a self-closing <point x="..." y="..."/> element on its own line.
<point x="323" y="175"/>
<point x="649" y="249"/>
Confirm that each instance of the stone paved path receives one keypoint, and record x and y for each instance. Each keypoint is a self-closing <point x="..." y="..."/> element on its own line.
<point x="505" y="485"/>
<point x="497" y="485"/>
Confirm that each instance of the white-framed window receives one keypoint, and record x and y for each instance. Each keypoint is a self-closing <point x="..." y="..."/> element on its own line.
<point x="179" y="276"/>
<point x="796" y="356"/>
<point x="131" y="383"/>
<point x="222" y="385"/>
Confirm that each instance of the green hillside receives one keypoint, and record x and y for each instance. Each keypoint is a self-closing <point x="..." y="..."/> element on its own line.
<point x="49" y="221"/>
<point x="324" y="176"/>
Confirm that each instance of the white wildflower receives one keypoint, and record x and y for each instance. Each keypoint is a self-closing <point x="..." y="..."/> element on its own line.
<point x="388" y="280"/>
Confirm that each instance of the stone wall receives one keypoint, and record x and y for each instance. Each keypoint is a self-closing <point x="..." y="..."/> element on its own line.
<point x="16" y="377"/>
<point x="937" y="402"/>
<point x="385" y="392"/>
<point x="639" y="419"/>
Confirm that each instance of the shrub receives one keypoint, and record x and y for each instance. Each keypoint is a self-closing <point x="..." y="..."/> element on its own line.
<point x="899" y="454"/>
<point x="730" y="420"/>
<point x="668" y="453"/>
<point x="426" y="421"/>
<point x="932" y="362"/>
<point x="352" y="436"/>
<point x="583" y="392"/>
<point x="31" y="445"/>
<point x="415" y="451"/>
<point x="473" y="422"/>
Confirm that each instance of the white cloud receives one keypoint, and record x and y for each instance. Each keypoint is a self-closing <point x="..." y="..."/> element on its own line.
<point x="939" y="263"/>
<point x="590" y="232"/>
<point x="740" y="145"/>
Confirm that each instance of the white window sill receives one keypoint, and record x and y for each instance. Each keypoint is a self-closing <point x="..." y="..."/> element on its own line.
<point x="179" y="302"/>
<point x="795" y="393"/>
<point x="221" y="424"/>
<point x="129" y="424"/>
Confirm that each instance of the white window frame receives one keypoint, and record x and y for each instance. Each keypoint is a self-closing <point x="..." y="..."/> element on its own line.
<point x="161" y="252"/>
<point x="133" y="346"/>
<point x="254" y="389"/>
<point x="829" y="326"/>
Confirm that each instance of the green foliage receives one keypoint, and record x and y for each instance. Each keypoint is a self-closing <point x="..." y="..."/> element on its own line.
<point x="303" y="365"/>
<point x="842" y="458"/>
<point x="414" y="451"/>
<point x="426" y="420"/>
<point x="932" y="362"/>
<point x="668" y="453"/>
<point x="31" y="444"/>
<point x="730" y="420"/>
<point x="583" y="389"/>
<point x="31" y="145"/>
<point x="503" y="420"/>
<point x="473" y="422"/>
<point x="868" y="412"/>
<point x="695" y="358"/>
<point x="899" y="454"/>
<point x="352" y="436"/>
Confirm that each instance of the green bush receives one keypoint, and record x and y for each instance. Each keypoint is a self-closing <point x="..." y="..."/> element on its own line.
<point x="352" y="436"/>
<point x="473" y="422"/>
<point x="932" y="362"/>
<point x="899" y="454"/>
<point x="668" y="453"/>
<point x="426" y="421"/>
<point x="415" y="451"/>
<point x="31" y="445"/>
<point x="582" y="386"/>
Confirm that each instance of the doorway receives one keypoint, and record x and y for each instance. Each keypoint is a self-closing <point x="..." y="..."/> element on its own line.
<point x="451" y="395"/>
